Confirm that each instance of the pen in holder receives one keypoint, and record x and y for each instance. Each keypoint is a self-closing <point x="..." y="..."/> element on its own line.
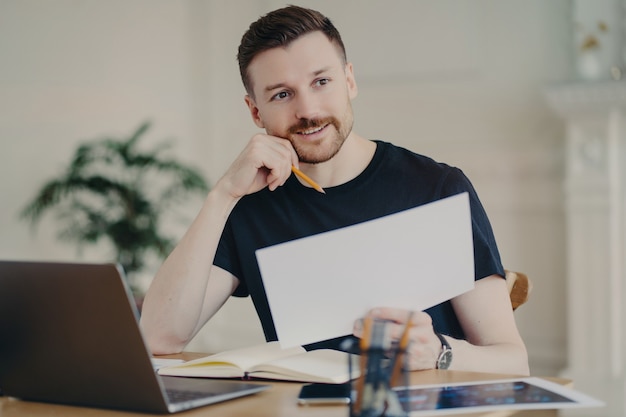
<point x="383" y="372"/>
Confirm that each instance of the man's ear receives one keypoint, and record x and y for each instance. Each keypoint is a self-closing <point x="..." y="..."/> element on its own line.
<point x="353" y="90"/>
<point x="254" y="111"/>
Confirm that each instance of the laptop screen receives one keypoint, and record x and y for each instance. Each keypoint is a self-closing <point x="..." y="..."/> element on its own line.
<point x="70" y="334"/>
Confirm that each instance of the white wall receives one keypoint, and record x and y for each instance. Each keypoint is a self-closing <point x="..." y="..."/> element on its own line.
<point x="459" y="81"/>
<point x="79" y="70"/>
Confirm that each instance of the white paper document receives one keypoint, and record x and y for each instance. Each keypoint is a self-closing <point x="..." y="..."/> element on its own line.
<point x="319" y="285"/>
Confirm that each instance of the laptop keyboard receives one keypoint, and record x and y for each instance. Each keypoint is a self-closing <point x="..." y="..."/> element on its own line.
<point x="179" y="396"/>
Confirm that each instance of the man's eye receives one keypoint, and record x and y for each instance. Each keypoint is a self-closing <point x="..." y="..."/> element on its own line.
<point x="280" y="96"/>
<point x="322" y="81"/>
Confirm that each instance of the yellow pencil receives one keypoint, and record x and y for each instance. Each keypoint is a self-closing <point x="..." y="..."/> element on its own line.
<point x="306" y="179"/>
<point x="364" y="346"/>
<point x="401" y="352"/>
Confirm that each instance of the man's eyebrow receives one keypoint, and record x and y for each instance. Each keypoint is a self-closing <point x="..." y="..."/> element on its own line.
<point x="282" y="85"/>
<point x="321" y="71"/>
<point x="274" y="87"/>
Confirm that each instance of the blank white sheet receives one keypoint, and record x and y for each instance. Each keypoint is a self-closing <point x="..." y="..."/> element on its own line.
<point x="319" y="285"/>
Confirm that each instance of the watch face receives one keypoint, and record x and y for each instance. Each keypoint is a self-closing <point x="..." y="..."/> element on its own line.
<point x="445" y="359"/>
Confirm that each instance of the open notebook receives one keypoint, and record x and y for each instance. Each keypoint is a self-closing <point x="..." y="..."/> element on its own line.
<point x="70" y="335"/>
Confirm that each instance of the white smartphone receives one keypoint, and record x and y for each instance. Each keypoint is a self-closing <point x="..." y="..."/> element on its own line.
<point x="324" y="394"/>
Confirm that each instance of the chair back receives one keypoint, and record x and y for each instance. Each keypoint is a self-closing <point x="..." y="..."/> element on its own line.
<point x="519" y="286"/>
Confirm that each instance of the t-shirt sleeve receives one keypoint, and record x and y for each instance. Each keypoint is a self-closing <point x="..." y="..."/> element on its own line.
<point x="486" y="255"/>
<point x="226" y="257"/>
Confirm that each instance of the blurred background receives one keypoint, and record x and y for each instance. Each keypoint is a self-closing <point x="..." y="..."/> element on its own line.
<point x="526" y="96"/>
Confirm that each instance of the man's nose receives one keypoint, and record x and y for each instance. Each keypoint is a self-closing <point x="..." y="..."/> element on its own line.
<point x="307" y="106"/>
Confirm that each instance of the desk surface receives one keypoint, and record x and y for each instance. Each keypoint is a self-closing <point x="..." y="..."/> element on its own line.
<point x="279" y="401"/>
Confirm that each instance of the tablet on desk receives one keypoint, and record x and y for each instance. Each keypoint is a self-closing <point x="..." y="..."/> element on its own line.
<point x="485" y="396"/>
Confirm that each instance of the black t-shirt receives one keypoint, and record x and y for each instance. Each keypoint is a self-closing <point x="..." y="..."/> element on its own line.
<point x="396" y="179"/>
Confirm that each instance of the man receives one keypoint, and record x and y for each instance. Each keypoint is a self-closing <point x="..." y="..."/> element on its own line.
<point x="299" y="90"/>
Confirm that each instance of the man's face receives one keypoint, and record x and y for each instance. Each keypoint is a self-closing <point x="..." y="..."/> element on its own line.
<point x="303" y="93"/>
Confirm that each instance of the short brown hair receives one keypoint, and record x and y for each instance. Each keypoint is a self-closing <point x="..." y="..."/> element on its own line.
<point x="278" y="29"/>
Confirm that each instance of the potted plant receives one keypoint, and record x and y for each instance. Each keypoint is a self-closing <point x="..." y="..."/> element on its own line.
<point x="113" y="191"/>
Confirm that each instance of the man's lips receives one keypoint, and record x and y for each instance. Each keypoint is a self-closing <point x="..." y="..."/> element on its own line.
<point x="313" y="131"/>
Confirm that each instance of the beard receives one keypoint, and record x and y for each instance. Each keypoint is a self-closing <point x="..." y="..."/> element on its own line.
<point x="318" y="152"/>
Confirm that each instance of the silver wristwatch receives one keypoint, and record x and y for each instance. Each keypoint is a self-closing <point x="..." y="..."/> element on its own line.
<point x="445" y="356"/>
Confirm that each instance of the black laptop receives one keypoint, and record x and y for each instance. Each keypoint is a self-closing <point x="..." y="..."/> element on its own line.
<point x="69" y="334"/>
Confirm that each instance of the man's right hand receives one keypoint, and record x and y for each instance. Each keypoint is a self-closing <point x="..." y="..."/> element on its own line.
<point x="265" y="162"/>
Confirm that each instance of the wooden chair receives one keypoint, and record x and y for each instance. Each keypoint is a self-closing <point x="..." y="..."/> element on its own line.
<point x="519" y="287"/>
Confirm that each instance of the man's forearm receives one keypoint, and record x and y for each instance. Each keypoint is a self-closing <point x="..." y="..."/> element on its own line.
<point x="174" y="303"/>
<point x="505" y="358"/>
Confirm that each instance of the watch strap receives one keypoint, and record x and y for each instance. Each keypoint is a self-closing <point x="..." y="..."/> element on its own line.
<point x="444" y="342"/>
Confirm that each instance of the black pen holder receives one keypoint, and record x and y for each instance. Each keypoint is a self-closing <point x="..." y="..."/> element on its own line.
<point x="382" y="370"/>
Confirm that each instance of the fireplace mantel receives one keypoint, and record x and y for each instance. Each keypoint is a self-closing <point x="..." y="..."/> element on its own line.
<point x="595" y="185"/>
<point x="587" y="99"/>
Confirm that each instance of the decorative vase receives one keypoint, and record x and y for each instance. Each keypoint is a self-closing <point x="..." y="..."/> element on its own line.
<point x="589" y="65"/>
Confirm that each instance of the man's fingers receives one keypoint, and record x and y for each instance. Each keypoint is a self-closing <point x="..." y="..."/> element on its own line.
<point x="400" y="315"/>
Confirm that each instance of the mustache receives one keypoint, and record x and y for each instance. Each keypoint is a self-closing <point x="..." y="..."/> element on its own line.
<point x="308" y="124"/>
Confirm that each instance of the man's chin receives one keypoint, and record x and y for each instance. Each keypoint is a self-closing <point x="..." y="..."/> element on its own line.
<point x="317" y="151"/>
<point x="314" y="158"/>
